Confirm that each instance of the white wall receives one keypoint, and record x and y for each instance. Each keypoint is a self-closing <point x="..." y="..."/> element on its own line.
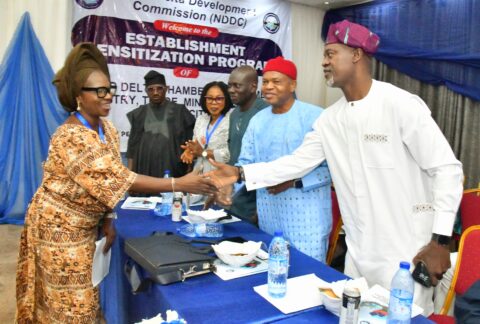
<point x="51" y="20"/>
<point x="307" y="53"/>
<point x="332" y="95"/>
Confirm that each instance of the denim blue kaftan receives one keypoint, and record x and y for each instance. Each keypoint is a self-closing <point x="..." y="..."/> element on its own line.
<point x="304" y="215"/>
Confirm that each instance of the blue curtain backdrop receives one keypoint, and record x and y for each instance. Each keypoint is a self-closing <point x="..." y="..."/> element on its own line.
<point x="29" y="114"/>
<point x="434" y="41"/>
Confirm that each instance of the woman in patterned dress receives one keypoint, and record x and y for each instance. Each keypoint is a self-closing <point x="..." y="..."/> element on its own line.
<point x="83" y="180"/>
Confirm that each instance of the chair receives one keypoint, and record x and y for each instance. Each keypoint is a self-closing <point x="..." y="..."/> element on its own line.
<point x="442" y="319"/>
<point x="466" y="270"/>
<point x="336" y="227"/>
<point x="470" y="208"/>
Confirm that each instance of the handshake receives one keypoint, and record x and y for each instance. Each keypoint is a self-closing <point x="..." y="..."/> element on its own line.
<point x="223" y="198"/>
<point x="223" y="177"/>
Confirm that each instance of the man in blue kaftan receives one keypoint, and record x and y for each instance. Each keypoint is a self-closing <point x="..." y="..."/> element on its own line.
<point x="301" y="208"/>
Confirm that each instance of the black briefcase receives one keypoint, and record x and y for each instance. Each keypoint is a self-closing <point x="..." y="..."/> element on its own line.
<point x="168" y="258"/>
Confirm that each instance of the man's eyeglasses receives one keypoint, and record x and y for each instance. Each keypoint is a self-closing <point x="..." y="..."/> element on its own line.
<point x="215" y="99"/>
<point x="103" y="91"/>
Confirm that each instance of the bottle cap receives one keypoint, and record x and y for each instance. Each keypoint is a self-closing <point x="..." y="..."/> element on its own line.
<point x="178" y="194"/>
<point x="405" y="265"/>
<point x="167" y="172"/>
<point x="278" y="233"/>
<point x="351" y="291"/>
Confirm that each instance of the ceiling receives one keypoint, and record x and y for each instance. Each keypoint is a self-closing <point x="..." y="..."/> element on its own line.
<point x="329" y="4"/>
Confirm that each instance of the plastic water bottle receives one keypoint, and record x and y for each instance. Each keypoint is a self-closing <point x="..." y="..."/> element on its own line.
<point x="165" y="208"/>
<point x="278" y="255"/>
<point x="401" y="296"/>
<point x="167" y="197"/>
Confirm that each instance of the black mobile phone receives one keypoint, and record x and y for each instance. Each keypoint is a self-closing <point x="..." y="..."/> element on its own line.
<point x="421" y="275"/>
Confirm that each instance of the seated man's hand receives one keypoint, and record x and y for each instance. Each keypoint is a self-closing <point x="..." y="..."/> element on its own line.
<point x="223" y="197"/>
<point x="437" y="259"/>
<point x="209" y="202"/>
<point x="275" y="190"/>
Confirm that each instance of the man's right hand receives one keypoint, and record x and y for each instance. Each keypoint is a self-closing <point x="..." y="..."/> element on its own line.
<point x="224" y="175"/>
<point x="195" y="183"/>
<point x="437" y="259"/>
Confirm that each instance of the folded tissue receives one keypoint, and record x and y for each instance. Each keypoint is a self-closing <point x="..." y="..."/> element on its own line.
<point x="172" y="318"/>
<point x="205" y="216"/>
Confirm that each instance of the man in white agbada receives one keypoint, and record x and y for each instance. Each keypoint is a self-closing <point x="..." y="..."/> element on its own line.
<point x="398" y="182"/>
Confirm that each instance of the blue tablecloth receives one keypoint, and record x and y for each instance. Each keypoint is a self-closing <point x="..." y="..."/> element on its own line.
<point x="206" y="298"/>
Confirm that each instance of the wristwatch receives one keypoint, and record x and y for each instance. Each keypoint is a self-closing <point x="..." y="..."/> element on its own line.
<point x="241" y="174"/>
<point x="204" y="153"/>
<point x="298" y="184"/>
<point x="441" y="239"/>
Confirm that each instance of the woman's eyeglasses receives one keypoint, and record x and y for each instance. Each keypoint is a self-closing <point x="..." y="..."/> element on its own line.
<point x="103" y="91"/>
<point x="215" y="99"/>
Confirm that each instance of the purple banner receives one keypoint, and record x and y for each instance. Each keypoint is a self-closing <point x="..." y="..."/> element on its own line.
<point x="136" y="43"/>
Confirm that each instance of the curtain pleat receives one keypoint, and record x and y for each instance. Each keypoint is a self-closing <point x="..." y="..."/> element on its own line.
<point x="457" y="116"/>
<point x="435" y="41"/>
<point x="29" y="114"/>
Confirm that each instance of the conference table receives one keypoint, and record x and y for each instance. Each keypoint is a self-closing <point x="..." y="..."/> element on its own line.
<point x="205" y="298"/>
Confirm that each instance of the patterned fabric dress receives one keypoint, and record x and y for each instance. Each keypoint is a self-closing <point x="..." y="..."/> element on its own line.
<point x="83" y="178"/>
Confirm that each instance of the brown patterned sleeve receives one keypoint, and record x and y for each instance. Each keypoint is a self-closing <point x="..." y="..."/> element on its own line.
<point x="95" y="167"/>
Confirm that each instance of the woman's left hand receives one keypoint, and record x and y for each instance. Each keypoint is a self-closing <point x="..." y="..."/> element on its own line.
<point x="109" y="231"/>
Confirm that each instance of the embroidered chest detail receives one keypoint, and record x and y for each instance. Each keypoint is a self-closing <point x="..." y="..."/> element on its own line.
<point x="376" y="138"/>
<point x="421" y="208"/>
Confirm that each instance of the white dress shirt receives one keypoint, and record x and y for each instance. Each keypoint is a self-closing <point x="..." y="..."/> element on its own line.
<point x="396" y="178"/>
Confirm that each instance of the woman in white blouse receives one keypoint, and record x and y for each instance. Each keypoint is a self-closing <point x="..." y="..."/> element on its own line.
<point x="210" y="135"/>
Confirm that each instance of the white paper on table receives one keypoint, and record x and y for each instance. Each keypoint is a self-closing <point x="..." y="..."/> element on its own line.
<point x="101" y="262"/>
<point x="382" y="296"/>
<point x="226" y="272"/>
<point x="302" y="293"/>
<point x="141" y="203"/>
